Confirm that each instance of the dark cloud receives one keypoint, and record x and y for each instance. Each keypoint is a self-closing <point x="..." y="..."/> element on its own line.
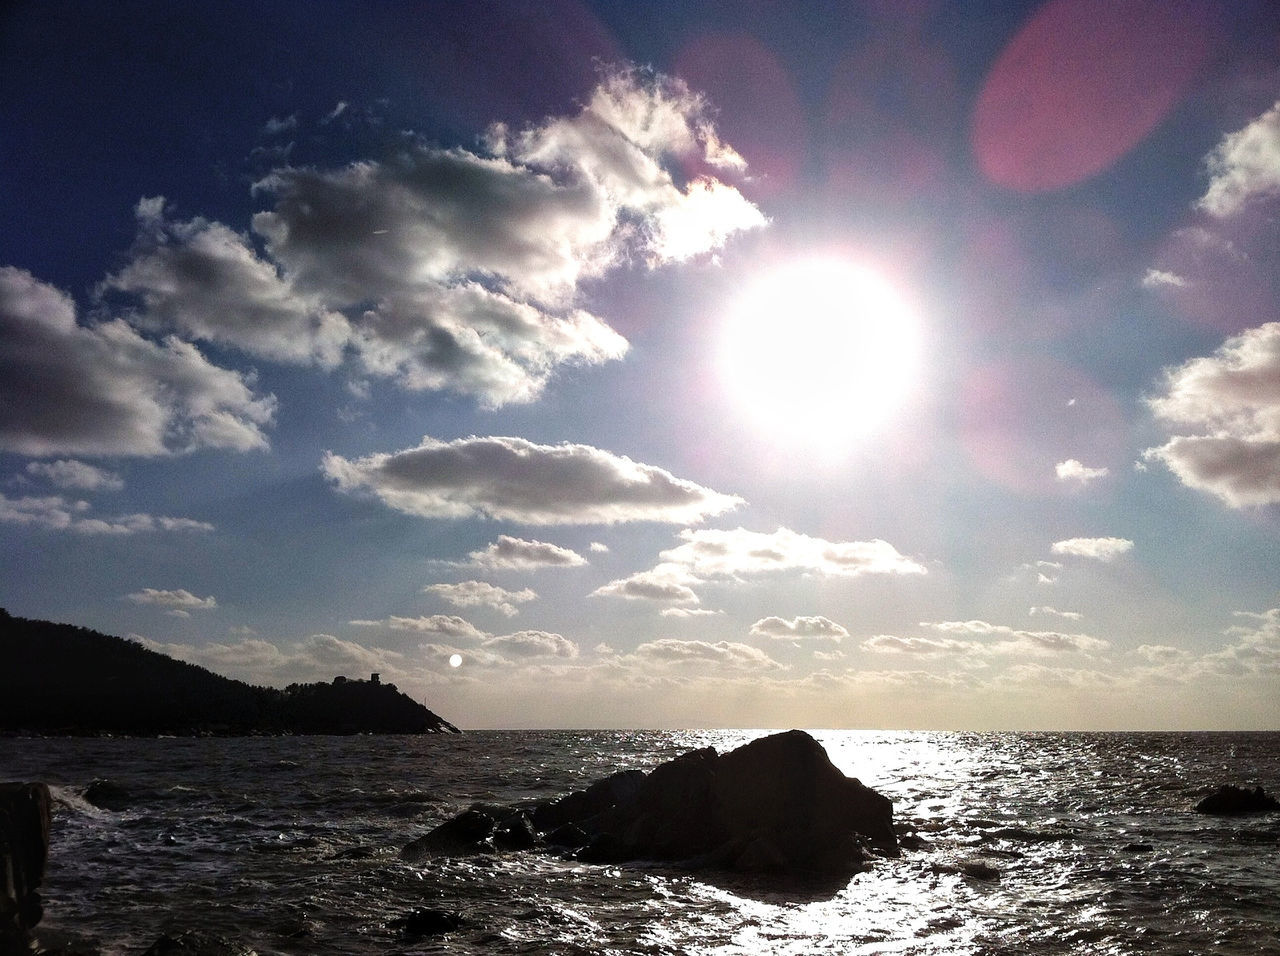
<point x="106" y="390"/>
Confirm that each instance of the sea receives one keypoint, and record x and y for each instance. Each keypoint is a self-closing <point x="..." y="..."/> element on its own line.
<point x="1024" y="843"/>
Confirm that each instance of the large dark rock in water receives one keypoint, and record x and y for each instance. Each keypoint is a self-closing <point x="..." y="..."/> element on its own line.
<point x="775" y="805"/>
<point x="1232" y="800"/>
<point x="25" y="814"/>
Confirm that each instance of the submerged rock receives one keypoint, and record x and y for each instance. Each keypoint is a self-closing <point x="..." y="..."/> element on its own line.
<point x="25" y="815"/>
<point x="425" y="921"/>
<point x="1231" y="800"/>
<point x="775" y="805"/>
<point x="107" y="795"/>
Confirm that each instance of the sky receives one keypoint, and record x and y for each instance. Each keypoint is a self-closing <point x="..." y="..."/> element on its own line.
<point x="676" y="364"/>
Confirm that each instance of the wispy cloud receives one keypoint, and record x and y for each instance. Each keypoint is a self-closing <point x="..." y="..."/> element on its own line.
<point x="55" y="513"/>
<point x="179" y="603"/>
<point x="1072" y="470"/>
<point x="79" y="475"/>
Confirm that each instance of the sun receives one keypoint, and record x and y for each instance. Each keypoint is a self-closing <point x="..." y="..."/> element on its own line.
<point x="820" y="352"/>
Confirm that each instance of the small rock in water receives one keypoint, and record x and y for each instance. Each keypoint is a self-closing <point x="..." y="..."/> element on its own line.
<point x="107" y="795"/>
<point x="1228" y="800"/>
<point x="980" y="870"/>
<point x="427" y="922"/>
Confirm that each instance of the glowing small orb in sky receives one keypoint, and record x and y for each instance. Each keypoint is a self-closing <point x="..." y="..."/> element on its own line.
<point x="455" y="660"/>
<point x="820" y="351"/>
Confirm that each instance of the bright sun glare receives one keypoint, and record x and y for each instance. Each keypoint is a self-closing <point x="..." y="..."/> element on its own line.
<point x="820" y="352"/>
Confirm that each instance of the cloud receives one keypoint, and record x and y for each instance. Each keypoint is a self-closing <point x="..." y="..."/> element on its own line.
<point x="518" y="554"/>
<point x="69" y="473"/>
<point x="55" y="513"/>
<point x="679" y="611"/>
<point x="1231" y="399"/>
<point x="450" y="269"/>
<point x="799" y="628"/>
<point x="1100" y="549"/>
<point x="924" y="646"/>
<point x="1068" y="615"/>
<point x="105" y="390"/>
<point x="665" y="584"/>
<point x="179" y="603"/>
<point x="1244" y="166"/>
<point x="528" y="644"/>
<point x="516" y="480"/>
<point x="1009" y="640"/>
<point x="481" y="594"/>
<point x="599" y="547"/>
<point x="445" y="626"/>
<point x="725" y="655"/>
<point x="1160" y="278"/>
<point x="1072" y="470"/>
<point x="711" y="553"/>
<point x="1256" y="650"/>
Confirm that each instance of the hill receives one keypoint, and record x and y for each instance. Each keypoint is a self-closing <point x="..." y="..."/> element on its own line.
<point x="62" y="679"/>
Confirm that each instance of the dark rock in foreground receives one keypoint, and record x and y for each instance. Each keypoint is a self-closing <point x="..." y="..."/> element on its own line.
<point x="25" y="815"/>
<point x="427" y="922"/>
<point x="775" y="805"/>
<point x="1232" y="800"/>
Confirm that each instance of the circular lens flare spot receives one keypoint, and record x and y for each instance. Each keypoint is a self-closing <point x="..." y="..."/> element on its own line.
<point x="455" y="660"/>
<point x="820" y="352"/>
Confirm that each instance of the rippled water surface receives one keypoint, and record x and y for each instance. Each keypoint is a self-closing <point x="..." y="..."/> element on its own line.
<point x="1028" y="843"/>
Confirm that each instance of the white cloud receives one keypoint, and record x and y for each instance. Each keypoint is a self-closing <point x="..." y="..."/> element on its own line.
<point x="682" y="612"/>
<point x="1244" y="166"/>
<point x="1160" y="278"/>
<point x="709" y="553"/>
<point x="56" y="513"/>
<point x="105" y="390"/>
<point x="1256" y="650"/>
<point x="725" y="655"/>
<point x="665" y="584"/>
<point x="1053" y="611"/>
<point x="1100" y="549"/>
<point x="180" y="602"/>
<point x="528" y="644"/>
<point x="599" y="547"/>
<point x="518" y="554"/>
<point x="482" y="594"/>
<point x="445" y="626"/>
<point x="1231" y="399"/>
<point x="799" y="629"/>
<point x="69" y="473"/>
<point x="1072" y="470"/>
<point x="516" y="480"/>
<point x="447" y="269"/>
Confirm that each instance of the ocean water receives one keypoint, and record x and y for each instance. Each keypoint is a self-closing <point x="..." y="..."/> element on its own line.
<point x="1032" y="843"/>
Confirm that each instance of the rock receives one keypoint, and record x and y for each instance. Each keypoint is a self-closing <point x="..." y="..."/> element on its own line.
<point x="582" y="804"/>
<point x="469" y="832"/>
<point x="194" y="943"/>
<point x="427" y="922"/>
<point x="515" y="833"/>
<point x="107" y="795"/>
<point x="25" y="815"/>
<point x="1232" y="800"/>
<point x="777" y="804"/>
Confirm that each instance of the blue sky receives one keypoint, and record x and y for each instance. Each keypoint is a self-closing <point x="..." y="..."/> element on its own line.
<point x="571" y="364"/>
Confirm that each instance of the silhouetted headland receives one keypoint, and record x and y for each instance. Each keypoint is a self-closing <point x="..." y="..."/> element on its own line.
<point x="62" y="679"/>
